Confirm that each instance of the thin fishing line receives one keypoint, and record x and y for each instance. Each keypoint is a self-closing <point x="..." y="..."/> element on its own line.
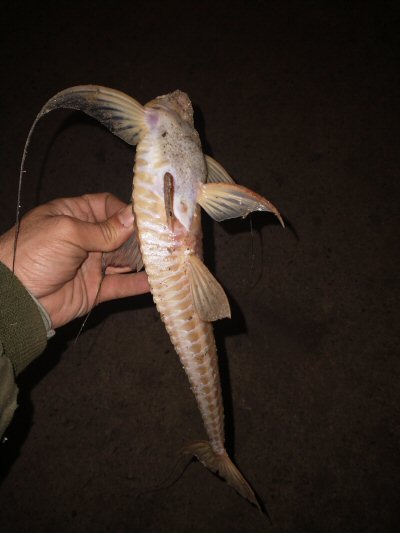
<point x="22" y="171"/>
<point x="103" y="273"/>
<point x="252" y="251"/>
<point x="172" y="474"/>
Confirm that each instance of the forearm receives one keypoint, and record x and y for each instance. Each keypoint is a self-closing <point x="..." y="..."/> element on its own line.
<point x="24" y="330"/>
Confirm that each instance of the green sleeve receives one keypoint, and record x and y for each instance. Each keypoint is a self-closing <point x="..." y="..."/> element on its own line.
<point x="24" y="330"/>
<point x="8" y="392"/>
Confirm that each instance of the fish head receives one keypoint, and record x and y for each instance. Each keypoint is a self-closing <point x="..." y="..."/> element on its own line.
<point x="177" y="102"/>
<point x="177" y="152"/>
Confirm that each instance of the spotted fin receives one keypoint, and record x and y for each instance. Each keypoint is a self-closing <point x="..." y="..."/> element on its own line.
<point x="120" y="113"/>
<point x="229" y="200"/>
<point x="209" y="298"/>
<point x="216" y="172"/>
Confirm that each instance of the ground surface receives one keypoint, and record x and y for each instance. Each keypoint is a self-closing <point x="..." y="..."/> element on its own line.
<point x="299" y="102"/>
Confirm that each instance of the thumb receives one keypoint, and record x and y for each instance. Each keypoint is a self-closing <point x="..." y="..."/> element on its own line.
<point x="107" y="235"/>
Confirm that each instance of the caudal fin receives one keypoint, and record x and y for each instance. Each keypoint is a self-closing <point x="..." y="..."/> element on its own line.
<point x="222" y="465"/>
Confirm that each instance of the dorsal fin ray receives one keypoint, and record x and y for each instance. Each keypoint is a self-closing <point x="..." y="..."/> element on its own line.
<point x="118" y="112"/>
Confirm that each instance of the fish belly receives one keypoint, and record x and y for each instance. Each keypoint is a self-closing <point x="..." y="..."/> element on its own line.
<point x="164" y="252"/>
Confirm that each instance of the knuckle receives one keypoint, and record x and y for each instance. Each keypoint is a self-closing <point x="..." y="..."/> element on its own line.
<point x="108" y="231"/>
<point x="67" y="225"/>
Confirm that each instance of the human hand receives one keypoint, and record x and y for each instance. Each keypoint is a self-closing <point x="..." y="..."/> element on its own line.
<point x="59" y="251"/>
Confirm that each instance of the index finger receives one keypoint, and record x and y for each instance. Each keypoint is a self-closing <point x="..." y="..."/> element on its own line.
<point x="95" y="207"/>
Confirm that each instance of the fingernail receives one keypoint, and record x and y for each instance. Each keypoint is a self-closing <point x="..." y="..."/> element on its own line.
<point x="125" y="216"/>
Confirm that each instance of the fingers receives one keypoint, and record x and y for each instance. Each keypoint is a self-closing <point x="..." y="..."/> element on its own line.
<point x="103" y="205"/>
<point x="89" y="207"/>
<point x="123" y="285"/>
<point x="104" y="236"/>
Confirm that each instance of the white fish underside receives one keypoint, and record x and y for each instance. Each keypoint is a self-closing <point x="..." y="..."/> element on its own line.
<point x="164" y="253"/>
<point x="172" y="179"/>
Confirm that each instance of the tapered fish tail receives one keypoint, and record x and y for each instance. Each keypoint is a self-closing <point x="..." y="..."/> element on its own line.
<point x="223" y="466"/>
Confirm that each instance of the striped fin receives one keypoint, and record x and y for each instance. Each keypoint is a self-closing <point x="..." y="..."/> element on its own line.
<point x="118" y="112"/>
<point x="229" y="200"/>
<point x="216" y="172"/>
<point x="209" y="298"/>
<point x="126" y="255"/>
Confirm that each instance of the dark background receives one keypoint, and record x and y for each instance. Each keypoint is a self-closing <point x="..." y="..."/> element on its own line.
<point x="299" y="101"/>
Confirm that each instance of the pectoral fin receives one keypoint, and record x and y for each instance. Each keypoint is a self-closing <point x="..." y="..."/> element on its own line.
<point x="209" y="298"/>
<point x="127" y="255"/>
<point x="229" y="200"/>
<point x="216" y="173"/>
<point x="120" y="113"/>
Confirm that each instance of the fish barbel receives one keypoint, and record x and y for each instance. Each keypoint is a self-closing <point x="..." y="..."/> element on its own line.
<point x="172" y="181"/>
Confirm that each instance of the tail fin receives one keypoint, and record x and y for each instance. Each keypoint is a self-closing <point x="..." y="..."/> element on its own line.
<point x="222" y="465"/>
